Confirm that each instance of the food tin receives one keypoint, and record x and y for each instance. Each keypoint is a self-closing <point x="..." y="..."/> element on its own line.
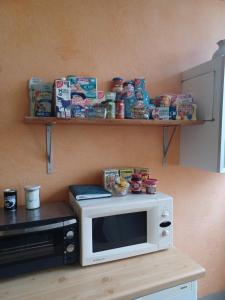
<point x="10" y="199"/>
<point x="32" y="196"/>
<point x="136" y="184"/>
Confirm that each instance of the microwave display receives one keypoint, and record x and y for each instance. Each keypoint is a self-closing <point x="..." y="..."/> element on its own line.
<point x="118" y="231"/>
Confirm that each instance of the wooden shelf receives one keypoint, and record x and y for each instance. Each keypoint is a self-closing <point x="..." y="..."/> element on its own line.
<point x="49" y="122"/>
<point x="112" y="122"/>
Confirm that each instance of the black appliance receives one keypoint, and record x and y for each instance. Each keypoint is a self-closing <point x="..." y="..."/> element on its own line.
<point x="37" y="239"/>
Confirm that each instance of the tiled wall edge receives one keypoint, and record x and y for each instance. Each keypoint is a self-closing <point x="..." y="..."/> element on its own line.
<point x="217" y="296"/>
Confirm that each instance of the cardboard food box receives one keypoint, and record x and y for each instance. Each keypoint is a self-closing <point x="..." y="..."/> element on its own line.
<point x="109" y="178"/>
<point x="62" y="98"/>
<point x="126" y="173"/>
<point x="186" y="111"/>
<point x="85" y="85"/>
<point x="144" y="176"/>
<point x="40" y="94"/>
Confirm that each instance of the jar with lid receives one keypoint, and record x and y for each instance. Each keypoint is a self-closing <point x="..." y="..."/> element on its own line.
<point x="32" y="196"/>
<point x="151" y="185"/>
<point x="117" y="84"/>
<point x="136" y="183"/>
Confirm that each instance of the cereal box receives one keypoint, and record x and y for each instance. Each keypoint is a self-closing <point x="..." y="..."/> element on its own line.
<point x="40" y="94"/>
<point x="109" y="178"/>
<point x="186" y="111"/>
<point x="126" y="173"/>
<point x="160" y="113"/>
<point x="144" y="176"/>
<point x="62" y="98"/>
<point x="85" y="85"/>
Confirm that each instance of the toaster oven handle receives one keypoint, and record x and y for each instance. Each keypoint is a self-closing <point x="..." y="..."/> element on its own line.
<point x="11" y="232"/>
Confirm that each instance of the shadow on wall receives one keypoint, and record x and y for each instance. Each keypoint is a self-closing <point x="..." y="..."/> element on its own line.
<point x="217" y="296"/>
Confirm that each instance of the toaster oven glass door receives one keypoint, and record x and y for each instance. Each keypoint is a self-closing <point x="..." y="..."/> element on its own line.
<point x="31" y="246"/>
<point x="117" y="231"/>
<point x="26" y="251"/>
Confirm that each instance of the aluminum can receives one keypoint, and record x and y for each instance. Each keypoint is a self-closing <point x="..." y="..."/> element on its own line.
<point x="120" y="109"/>
<point x="10" y="199"/>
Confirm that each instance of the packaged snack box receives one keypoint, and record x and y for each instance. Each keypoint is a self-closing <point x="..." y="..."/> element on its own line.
<point x="160" y="113"/>
<point x="85" y="85"/>
<point x="40" y="94"/>
<point x="186" y="111"/>
<point x="144" y="172"/>
<point x="126" y="173"/>
<point x="62" y="98"/>
<point x="109" y="178"/>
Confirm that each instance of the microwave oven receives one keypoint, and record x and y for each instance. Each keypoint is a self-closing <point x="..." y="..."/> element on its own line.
<point x="37" y="239"/>
<point x="119" y="227"/>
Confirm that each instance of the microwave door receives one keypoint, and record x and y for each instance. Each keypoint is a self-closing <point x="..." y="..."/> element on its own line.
<point x="116" y="231"/>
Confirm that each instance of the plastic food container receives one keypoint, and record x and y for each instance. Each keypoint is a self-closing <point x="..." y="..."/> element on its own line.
<point x="32" y="196"/>
<point x="151" y="185"/>
<point x="120" y="191"/>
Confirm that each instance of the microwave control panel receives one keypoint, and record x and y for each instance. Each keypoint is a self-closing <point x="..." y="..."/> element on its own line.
<point x="166" y="226"/>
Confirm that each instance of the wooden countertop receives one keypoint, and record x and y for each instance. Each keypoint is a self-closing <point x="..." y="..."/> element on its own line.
<point x="119" y="280"/>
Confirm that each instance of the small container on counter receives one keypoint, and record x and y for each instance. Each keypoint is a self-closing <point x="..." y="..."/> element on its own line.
<point x="32" y="196"/>
<point x="151" y="185"/>
<point x="10" y="199"/>
<point x="136" y="183"/>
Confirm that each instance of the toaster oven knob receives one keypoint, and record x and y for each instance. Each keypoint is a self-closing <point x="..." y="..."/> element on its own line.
<point x="70" y="248"/>
<point x="165" y="232"/>
<point x="70" y="234"/>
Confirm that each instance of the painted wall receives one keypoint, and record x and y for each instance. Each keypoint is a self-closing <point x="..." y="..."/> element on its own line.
<point x="130" y="38"/>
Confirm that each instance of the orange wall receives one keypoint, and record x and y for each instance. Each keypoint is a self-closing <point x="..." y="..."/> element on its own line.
<point x="150" y="38"/>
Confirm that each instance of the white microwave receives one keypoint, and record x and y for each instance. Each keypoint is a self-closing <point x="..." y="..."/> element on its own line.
<point x="119" y="227"/>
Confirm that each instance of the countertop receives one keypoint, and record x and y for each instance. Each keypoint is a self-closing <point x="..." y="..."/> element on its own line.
<point x="119" y="280"/>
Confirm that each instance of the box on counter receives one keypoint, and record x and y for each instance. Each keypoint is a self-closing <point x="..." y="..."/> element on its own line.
<point x="109" y="178"/>
<point x="126" y="173"/>
<point x="141" y="170"/>
<point x="62" y="98"/>
<point x="144" y="176"/>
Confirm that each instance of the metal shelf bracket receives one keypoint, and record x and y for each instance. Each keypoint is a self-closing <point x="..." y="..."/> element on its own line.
<point x="167" y="141"/>
<point x="49" y="148"/>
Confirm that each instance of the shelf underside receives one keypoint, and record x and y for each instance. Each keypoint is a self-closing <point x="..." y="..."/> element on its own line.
<point x="112" y="122"/>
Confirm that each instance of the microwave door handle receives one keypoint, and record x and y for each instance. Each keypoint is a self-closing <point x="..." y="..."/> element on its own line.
<point x="12" y="232"/>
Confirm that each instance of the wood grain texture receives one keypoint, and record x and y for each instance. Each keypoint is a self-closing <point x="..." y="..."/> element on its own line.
<point x="120" y="280"/>
<point x="124" y="122"/>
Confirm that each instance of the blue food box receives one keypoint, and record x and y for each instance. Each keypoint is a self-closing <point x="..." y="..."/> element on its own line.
<point x="85" y="85"/>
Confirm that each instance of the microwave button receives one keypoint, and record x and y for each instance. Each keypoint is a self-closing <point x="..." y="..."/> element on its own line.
<point x="165" y="213"/>
<point x="70" y="248"/>
<point x="70" y="234"/>
<point x="165" y="232"/>
<point x="165" y="224"/>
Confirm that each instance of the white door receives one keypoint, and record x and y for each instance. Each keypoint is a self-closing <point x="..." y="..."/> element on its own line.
<point x="202" y="146"/>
